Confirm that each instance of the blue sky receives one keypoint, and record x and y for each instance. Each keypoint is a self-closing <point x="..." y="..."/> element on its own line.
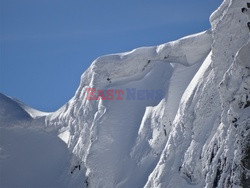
<point x="47" y="44"/>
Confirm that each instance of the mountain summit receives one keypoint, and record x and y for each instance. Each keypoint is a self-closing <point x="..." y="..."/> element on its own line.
<point x="175" y="115"/>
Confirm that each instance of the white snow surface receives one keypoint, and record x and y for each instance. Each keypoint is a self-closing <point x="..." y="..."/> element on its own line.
<point x="195" y="133"/>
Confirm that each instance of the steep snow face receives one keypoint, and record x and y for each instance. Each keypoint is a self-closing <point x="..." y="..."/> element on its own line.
<point x="209" y="142"/>
<point x="120" y="142"/>
<point x="194" y="132"/>
<point x="186" y="138"/>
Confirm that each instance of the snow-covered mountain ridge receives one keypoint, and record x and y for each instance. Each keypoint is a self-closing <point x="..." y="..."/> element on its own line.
<point x="196" y="135"/>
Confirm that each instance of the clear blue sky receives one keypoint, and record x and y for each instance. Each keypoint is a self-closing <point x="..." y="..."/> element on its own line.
<point x="47" y="44"/>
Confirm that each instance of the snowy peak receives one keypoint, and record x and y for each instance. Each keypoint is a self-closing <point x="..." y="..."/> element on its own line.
<point x="132" y="130"/>
<point x="182" y="131"/>
<point x="129" y="66"/>
<point x="173" y="115"/>
<point x="14" y="112"/>
<point x="208" y="142"/>
<point x="122" y="66"/>
<point x="11" y="111"/>
<point x="29" y="156"/>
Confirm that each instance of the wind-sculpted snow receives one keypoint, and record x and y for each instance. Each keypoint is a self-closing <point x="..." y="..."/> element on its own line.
<point x="210" y="135"/>
<point x="120" y="142"/>
<point x="195" y="133"/>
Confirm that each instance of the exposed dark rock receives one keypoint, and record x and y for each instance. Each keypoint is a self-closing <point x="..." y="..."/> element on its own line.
<point x="234" y="120"/>
<point x="248" y="25"/>
<point x="218" y="174"/>
<point x="246" y="164"/>
<point x="243" y="10"/>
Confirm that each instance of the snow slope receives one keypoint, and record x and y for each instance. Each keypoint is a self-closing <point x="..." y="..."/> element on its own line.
<point x="29" y="156"/>
<point x="195" y="133"/>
